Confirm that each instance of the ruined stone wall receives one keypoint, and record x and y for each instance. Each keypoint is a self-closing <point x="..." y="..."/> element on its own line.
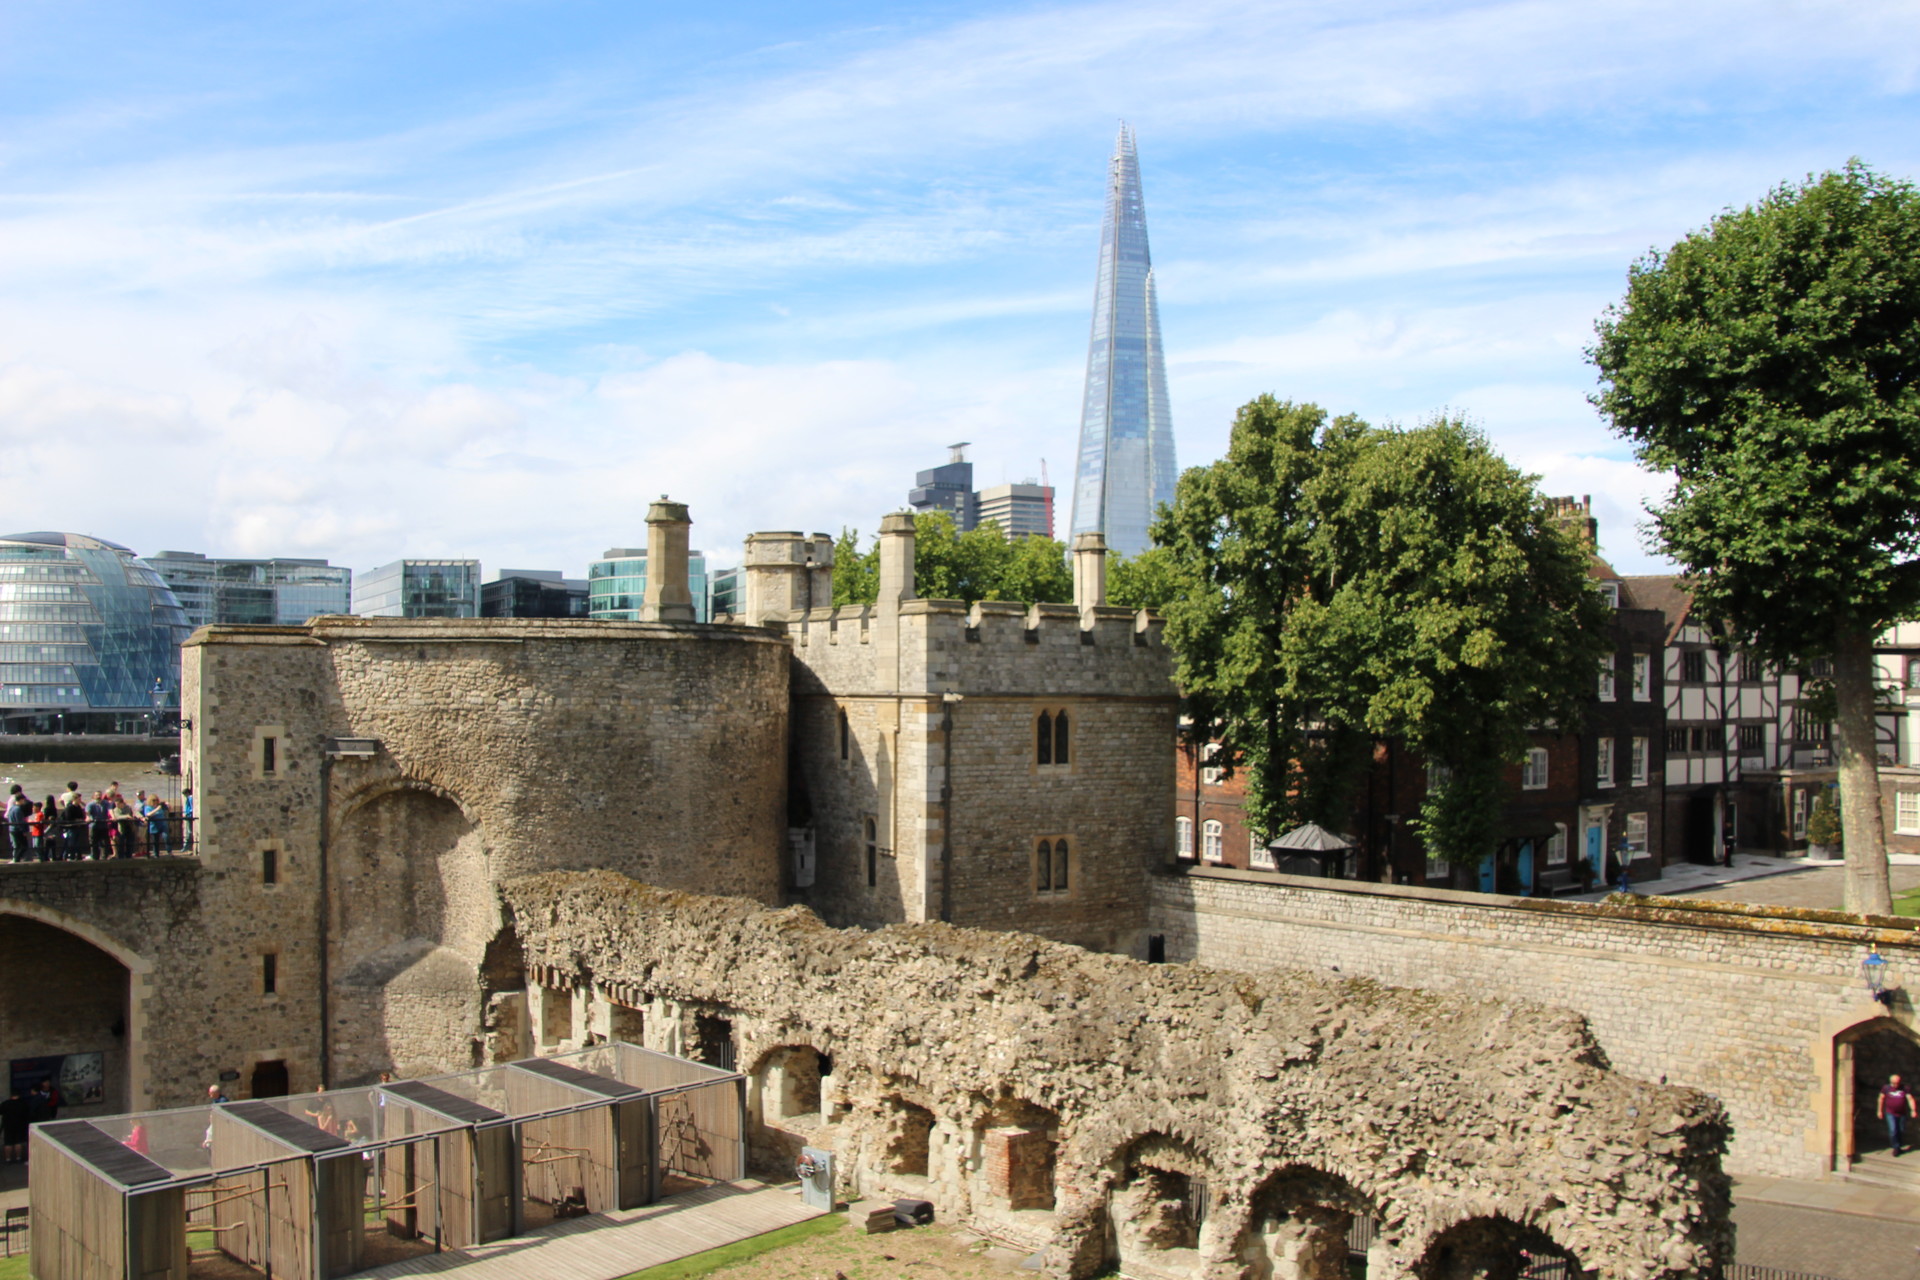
<point x="1742" y="1002"/>
<point x="1063" y="1099"/>
<point x="497" y="748"/>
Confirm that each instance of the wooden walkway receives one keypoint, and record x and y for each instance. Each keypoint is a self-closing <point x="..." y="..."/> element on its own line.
<point x="604" y="1246"/>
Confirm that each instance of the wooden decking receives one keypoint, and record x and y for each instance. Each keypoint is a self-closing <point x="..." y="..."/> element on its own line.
<point x="603" y="1246"/>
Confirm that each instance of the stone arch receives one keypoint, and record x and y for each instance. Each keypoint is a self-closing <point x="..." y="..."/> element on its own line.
<point x="1158" y="1208"/>
<point x="786" y="1098"/>
<point x="1299" y="1219"/>
<point x="72" y="991"/>
<point x="906" y="1145"/>
<point x="1864" y="1054"/>
<point x="414" y="914"/>
<point x="1490" y="1247"/>
<point x="1016" y="1146"/>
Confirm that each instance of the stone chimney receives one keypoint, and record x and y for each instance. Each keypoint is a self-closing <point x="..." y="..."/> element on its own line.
<point x="787" y="573"/>
<point x="896" y="561"/>
<point x="668" y="598"/>
<point x="1089" y="571"/>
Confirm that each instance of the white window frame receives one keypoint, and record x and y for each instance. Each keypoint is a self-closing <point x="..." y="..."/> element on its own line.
<point x="1259" y="857"/>
<point x="1557" y="846"/>
<point x="1437" y="869"/>
<point x="1799" y="807"/>
<point x="1637" y="844"/>
<point x="1603" y="762"/>
<point x="1638" y="762"/>
<point x="1183" y="838"/>
<point x="1438" y="775"/>
<point x="1609" y="681"/>
<point x="1210" y="773"/>
<point x="1906" y="813"/>
<point x="1210" y="841"/>
<point x="1642" y="677"/>
<point x="1533" y="774"/>
<point x="1610" y="592"/>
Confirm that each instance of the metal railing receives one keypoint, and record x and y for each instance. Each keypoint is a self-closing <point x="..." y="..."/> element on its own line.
<point x="99" y="840"/>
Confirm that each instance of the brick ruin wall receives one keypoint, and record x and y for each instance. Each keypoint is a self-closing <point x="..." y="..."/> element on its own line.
<point x="1744" y="1003"/>
<point x="1074" y="1102"/>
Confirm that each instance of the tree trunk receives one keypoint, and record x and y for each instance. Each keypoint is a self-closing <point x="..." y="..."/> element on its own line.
<point x="1856" y="751"/>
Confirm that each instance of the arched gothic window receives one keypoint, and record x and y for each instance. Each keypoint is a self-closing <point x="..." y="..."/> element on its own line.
<point x="1043" y="867"/>
<point x="1051" y="738"/>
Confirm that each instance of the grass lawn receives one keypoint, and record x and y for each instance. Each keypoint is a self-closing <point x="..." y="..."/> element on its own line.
<point x="1907" y="903"/>
<point x="727" y="1255"/>
<point x="14" y="1268"/>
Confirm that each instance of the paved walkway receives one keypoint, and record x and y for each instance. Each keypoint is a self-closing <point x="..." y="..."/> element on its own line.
<point x="603" y="1246"/>
<point x="1831" y="1229"/>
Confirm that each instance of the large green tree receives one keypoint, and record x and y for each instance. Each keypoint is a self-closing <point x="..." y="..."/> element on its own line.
<point x="1770" y="364"/>
<point x="1336" y="583"/>
<point x="981" y="564"/>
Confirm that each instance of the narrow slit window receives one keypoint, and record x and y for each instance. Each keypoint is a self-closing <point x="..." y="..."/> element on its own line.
<point x="269" y="866"/>
<point x="269" y="755"/>
<point x="873" y="853"/>
<point x="1060" y="866"/>
<point x="1060" y="738"/>
<point x="269" y="974"/>
<point x="1043" y="867"/>
<point x="1043" y="739"/>
<point x="846" y="735"/>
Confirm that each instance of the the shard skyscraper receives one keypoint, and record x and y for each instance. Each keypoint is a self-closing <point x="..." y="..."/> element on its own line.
<point x="1126" y="432"/>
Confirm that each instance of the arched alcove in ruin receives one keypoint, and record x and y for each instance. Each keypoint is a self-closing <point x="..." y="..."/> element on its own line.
<point x="909" y="1137"/>
<point x="1492" y="1248"/>
<point x="1157" y="1209"/>
<point x="784" y="1104"/>
<point x="1017" y="1145"/>
<point x="1298" y="1223"/>
<point x="413" y="916"/>
<point x="66" y="1008"/>
<point x="1865" y="1055"/>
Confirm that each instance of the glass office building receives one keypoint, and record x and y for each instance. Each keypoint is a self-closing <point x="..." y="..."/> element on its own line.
<point x="89" y="636"/>
<point x="274" y="592"/>
<point x="617" y="584"/>
<point x="533" y="593"/>
<point x="726" y="593"/>
<point x="419" y="589"/>
<point x="1125" y="470"/>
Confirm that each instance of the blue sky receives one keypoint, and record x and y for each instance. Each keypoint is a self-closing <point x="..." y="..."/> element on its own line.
<point x="373" y="280"/>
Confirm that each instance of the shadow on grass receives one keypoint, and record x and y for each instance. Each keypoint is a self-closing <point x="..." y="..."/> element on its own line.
<point x="701" y="1264"/>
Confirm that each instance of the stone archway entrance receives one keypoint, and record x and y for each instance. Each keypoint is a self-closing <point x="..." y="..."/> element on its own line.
<point x="1864" y="1056"/>
<point x="66" y="1013"/>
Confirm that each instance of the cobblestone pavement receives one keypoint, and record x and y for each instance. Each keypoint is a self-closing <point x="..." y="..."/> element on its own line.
<point x="1838" y="1245"/>
<point x="1817" y="887"/>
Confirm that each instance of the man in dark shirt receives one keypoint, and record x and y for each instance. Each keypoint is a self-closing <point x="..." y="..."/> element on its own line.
<point x="1896" y="1105"/>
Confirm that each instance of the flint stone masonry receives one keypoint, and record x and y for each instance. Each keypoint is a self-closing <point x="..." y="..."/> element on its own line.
<point x="1296" y="1096"/>
<point x="1747" y="1003"/>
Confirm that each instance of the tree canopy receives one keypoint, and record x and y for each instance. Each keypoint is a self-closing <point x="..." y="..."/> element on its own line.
<point x="981" y="564"/>
<point x="1770" y="364"/>
<point x="1333" y="582"/>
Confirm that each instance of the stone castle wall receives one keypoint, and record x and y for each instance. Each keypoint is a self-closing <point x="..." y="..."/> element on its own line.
<point x="492" y="748"/>
<point x="935" y="686"/>
<point x="1051" y="1097"/>
<point x="1741" y="1002"/>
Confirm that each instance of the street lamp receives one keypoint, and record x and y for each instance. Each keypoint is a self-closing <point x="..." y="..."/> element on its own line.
<point x="1874" y="969"/>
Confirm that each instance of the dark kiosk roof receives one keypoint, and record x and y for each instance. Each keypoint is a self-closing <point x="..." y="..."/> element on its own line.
<point x="451" y="1105"/>
<point x="115" y="1159"/>
<point x="288" y="1129"/>
<point x="605" y="1086"/>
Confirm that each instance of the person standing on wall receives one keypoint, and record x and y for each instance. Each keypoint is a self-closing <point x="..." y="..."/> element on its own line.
<point x="1895" y="1106"/>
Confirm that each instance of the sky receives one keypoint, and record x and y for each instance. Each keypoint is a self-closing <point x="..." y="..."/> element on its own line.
<point x="374" y="280"/>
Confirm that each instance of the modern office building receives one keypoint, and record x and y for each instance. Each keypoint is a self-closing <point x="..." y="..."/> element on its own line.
<point x="1021" y="510"/>
<point x="89" y="636"/>
<point x="1125" y="468"/>
<point x="617" y="584"/>
<point x="274" y="592"/>
<point x="948" y="488"/>
<point x="726" y="593"/>
<point x="419" y="589"/>
<point x="533" y="593"/>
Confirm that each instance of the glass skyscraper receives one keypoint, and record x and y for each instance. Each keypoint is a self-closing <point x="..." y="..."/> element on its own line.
<point x="617" y="584"/>
<point x="279" y="590"/>
<point x="1126" y="432"/>
<point x="419" y="589"/>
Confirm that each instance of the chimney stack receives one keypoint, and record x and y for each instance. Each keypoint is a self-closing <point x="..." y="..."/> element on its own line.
<point x="668" y="598"/>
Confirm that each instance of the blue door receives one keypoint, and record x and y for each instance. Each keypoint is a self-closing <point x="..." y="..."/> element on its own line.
<point x="1526" y="867"/>
<point x="1486" y="874"/>
<point x="1597" y="853"/>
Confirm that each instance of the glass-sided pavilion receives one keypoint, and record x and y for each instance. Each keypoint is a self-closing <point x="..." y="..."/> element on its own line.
<point x="287" y="1186"/>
